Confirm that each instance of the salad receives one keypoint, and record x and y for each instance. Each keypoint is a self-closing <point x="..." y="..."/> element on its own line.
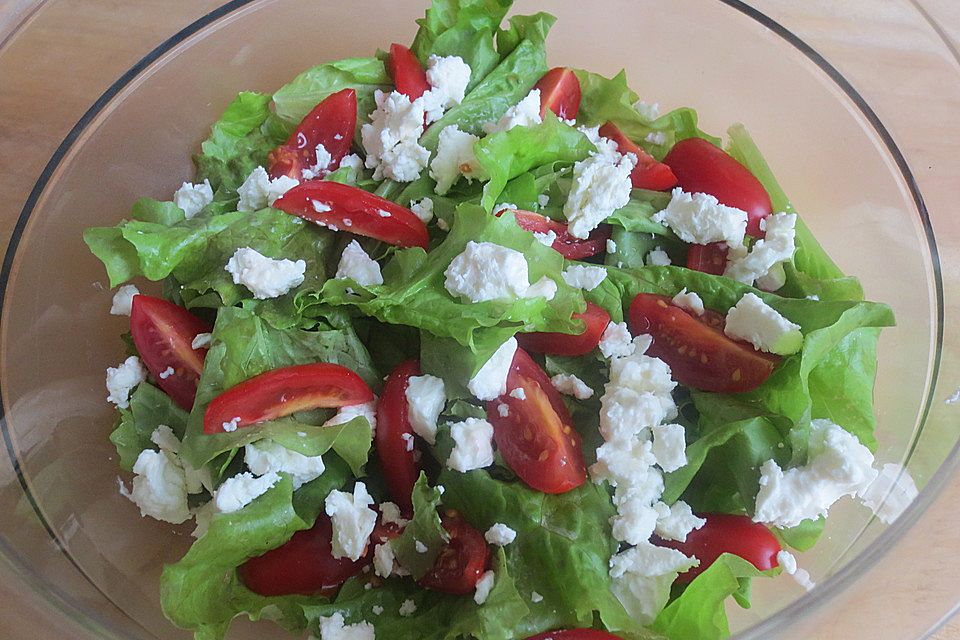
<point x="451" y="344"/>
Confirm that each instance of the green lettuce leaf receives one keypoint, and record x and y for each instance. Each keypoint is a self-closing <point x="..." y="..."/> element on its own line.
<point x="424" y="528"/>
<point x="149" y="408"/>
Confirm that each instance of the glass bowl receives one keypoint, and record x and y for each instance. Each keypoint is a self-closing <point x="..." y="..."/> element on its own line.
<point x="873" y="182"/>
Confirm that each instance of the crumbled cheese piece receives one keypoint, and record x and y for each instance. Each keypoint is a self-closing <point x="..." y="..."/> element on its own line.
<point x="628" y="462"/>
<point x="669" y="446"/>
<point x="634" y="522"/>
<point x="611" y="246"/>
<point x="377" y="609"/>
<point x="454" y="158"/>
<point x="546" y="239"/>
<point x="571" y="385"/>
<point x="503" y="206"/>
<point x="676" y="521"/>
<point x="787" y="562"/>
<point x="525" y="113"/>
<point x="656" y="137"/>
<point x="584" y="277"/>
<point x="123" y="300"/>
<point x="423" y="210"/>
<point x="353" y="521"/>
<point x="259" y="191"/>
<point x="322" y="165"/>
<point x="642" y="576"/>
<point x="448" y="78"/>
<point x="442" y="224"/>
<point x="390" y="513"/>
<point x="263" y="276"/>
<point x="600" y="187"/>
<point x="776" y="247"/>
<point x="890" y="493"/>
<point x="647" y="110"/>
<point x="535" y="597"/>
<point x="367" y="410"/>
<point x="237" y="492"/>
<point x="487" y="271"/>
<point x="473" y="445"/>
<point x="321" y="207"/>
<point x="333" y="628"/>
<point x="699" y="218"/>
<point x="658" y="258"/>
<point x="543" y="200"/>
<point x="690" y="301"/>
<point x="122" y="379"/>
<point x="491" y="380"/>
<point x="605" y="146"/>
<point x="407" y="608"/>
<point x="391" y="138"/>
<point x="160" y="487"/>
<point x="408" y="440"/>
<point x="354" y="163"/>
<point x="201" y="340"/>
<point x="231" y="425"/>
<point x="500" y="534"/>
<point x="503" y="410"/>
<point x="192" y="198"/>
<point x="166" y="373"/>
<point x="616" y="340"/>
<point x="419" y="546"/>
<point x="518" y="393"/>
<point x="425" y="399"/>
<point x="265" y="456"/>
<point x="837" y="465"/>
<point x="484" y="586"/>
<point x="383" y="559"/>
<point x="357" y="265"/>
<point x="756" y="322"/>
<point x="626" y="412"/>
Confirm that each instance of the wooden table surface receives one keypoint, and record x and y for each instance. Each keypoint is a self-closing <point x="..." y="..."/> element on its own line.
<point x="123" y="37"/>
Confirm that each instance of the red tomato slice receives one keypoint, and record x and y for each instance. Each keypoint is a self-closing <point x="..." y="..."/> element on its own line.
<point x="560" y="93"/>
<point x="163" y="333"/>
<point x="566" y="245"/>
<point x="575" y="634"/>
<point x="724" y="533"/>
<point x="700" y="355"/>
<point x="649" y="173"/>
<point x="282" y="392"/>
<point x="594" y="317"/>
<point x="462" y="562"/>
<point x="397" y="460"/>
<point x="331" y="123"/>
<point x="346" y="208"/>
<point x="409" y="77"/>
<point x="536" y="438"/>
<point x="708" y="258"/>
<point x="701" y="167"/>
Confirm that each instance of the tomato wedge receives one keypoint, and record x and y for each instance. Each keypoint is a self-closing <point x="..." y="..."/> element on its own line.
<point x="163" y="333"/>
<point x="566" y="245"/>
<point x="700" y="355"/>
<point x="701" y="167"/>
<point x="536" y="438"/>
<point x="649" y="173"/>
<point x="398" y="459"/>
<point x="708" y="258"/>
<point x="409" y="77"/>
<point x="282" y="392"/>
<point x="594" y="317"/>
<point x="331" y="123"/>
<point x="560" y="93"/>
<point x="342" y="207"/>
<point x="575" y="634"/>
<point x="725" y="533"/>
<point x="462" y="562"/>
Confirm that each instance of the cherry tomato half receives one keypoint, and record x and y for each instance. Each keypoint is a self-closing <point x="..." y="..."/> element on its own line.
<point x="700" y="355"/>
<point x="282" y="392"/>
<point x="560" y="93"/>
<point x="565" y="244"/>
<point x="163" y="333"/>
<point x="409" y="77"/>
<point x="701" y="167"/>
<point x="649" y="173"/>
<point x="708" y="258"/>
<point x="725" y="533"/>
<point x="331" y="123"/>
<point x="594" y="317"/>
<point x="343" y="207"/>
<point x="575" y="634"/>
<point x="536" y="438"/>
<point x="462" y="562"/>
<point x="397" y="458"/>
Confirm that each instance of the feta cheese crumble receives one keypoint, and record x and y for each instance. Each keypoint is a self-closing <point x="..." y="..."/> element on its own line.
<point x="756" y="322"/>
<point x="122" y="379"/>
<point x="407" y="608"/>
<point x="366" y="410"/>
<point x="500" y="534"/>
<point x="616" y="340"/>
<point x="611" y="246"/>
<point x="160" y="487"/>
<point x="237" y="492"/>
<point x="525" y="113"/>
<point x="690" y="301"/>
<point x="776" y="247"/>
<point x="669" y="446"/>
<point x="353" y="521"/>
<point x="658" y="258"/>
<point x="484" y="587"/>
<point x="491" y="380"/>
<point x="383" y="560"/>
<point x="166" y="373"/>
<point x="546" y="239"/>
<point x="263" y="276"/>
<point x="390" y="513"/>
<point x="600" y="187"/>
<point x="201" y="340"/>
<point x="890" y="493"/>
<point x="259" y="191"/>
<point x="518" y="393"/>
<point x="454" y="158"/>
<point x="642" y="576"/>
<point x="583" y="277"/>
<point x="535" y="597"/>
<point x="358" y="266"/>
<point x="266" y="456"/>
<point x="322" y="165"/>
<point x="486" y="271"/>
<point x="675" y="522"/>
<point x="473" y="445"/>
<point x="333" y="628"/>
<point x="123" y="300"/>
<point x="571" y="385"/>
<point x="699" y="218"/>
<point x="192" y="198"/>
<point x="231" y="425"/>
<point x="425" y="399"/>
<point x="448" y="78"/>
<point x="391" y="138"/>
<point x="423" y="209"/>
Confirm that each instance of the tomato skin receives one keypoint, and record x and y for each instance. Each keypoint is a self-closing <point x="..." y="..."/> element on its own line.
<point x="284" y="391"/>
<point x="594" y="317"/>
<point x="566" y="245"/>
<point x="708" y="258"/>
<point x="700" y="355"/>
<point x="701" y="167"/>
<point x="331" y="123"/>
<point x="649" y="173"/>
<point x="355" y="210"/>
<point x="163" y="333"/>
<point x="536" y="438"/>
<point x="724" y="533"/>
<point x="399" y="465"/>
<point x="560" y="93"/>
<point x="575" y="634"/>
<point x="462" y="562"/>
<point x="409" y="77"/>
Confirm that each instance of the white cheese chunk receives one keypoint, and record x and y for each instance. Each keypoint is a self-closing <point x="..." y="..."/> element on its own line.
<point x="635" y="521"/>
<point x="322" y="165"/>
<point x="407" y="608"/>
<point x="699" y="218"/>
<point x="391" y="138"/>
<point x="571" y="385"/>
<point x="333" y="628"/>
<point x="787" y="562"/>
<point x="454" y="158"/>
<point x="367" y="410"/>
<point x="500" y="534"/>
<point x="390" y="513"/>
<point x="265" y="456"/>
<point x="425" y="399"/>
<point x="629" y="462"/>
<point x="354" y="163"/>
<point x="756" y="322"/>
<point x="776" y="247"/>
<point x="605" y="146"/>
<point x="160" y="487"/>
<point x="423" y="209"/>
<point x="525" y="113"/>
<point x="690" y="301"/>
<point x="448" y="78"/>
<point x="546" y="239"/>
<point x="123" y="300"/>
<point x="122" y="379"/>
<point x="584" y="277"/>
<point x="357" y="265"/>
<point x="259" y="191"/>
<point x="384" y="560"/>
<point x="192" y="198"/>
<point x="201" y="340"/>
<point x="486" y="271"/>
<point x="890" y="493"/>
<point x="616" y="340"/>
<point x="675" y="522"/>
<point x="491" y="380"/>
<point x="484" y="587"/>
<point x="353" y="521"/>
<point x="237" y="492"/>
<point x="263" y="276"/>
<point x="600" y="187"/>
<point x="535" y="597"/>
<point x="658" y="258"/>
<point x="669" y="446"/>
<point x="611" y="246"/>
<point x="647" y="110"/>
<point x="473" y="445"/>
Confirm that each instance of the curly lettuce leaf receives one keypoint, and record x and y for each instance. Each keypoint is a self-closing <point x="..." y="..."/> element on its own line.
<point x="424" y="528"/>
<point x="149" y="408"/>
